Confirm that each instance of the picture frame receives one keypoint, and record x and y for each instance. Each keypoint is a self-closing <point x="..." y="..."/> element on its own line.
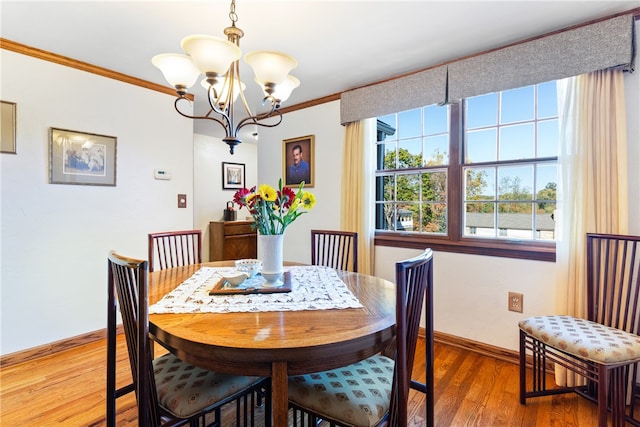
<point x="8" y="127"/>
<point x="294" y="173"/>
<point x="233" y="176"/>
<point x="81" y="158"/>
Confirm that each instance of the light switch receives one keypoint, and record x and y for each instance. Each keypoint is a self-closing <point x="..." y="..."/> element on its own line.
<point x="182" y="200"/>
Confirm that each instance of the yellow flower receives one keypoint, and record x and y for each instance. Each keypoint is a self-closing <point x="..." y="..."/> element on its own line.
<point x="308" y="200"/>
<point x="267" y="192"/>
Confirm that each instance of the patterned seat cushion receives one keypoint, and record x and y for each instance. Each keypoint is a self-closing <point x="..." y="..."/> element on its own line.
<point x="583" y="338"/>
<point x="358" y="394"/>
<point x="184" y="390"/>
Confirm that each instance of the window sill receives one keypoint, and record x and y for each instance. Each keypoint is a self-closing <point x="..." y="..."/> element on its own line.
<point x="537" y="251"/>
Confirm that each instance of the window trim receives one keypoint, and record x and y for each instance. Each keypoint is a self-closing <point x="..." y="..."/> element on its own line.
<point x="454" y="240"/>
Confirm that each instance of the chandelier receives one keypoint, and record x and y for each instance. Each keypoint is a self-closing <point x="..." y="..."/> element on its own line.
<point x="218" y="60"/>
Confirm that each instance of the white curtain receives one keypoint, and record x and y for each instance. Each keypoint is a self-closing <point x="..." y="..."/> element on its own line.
<point x="592" y="182"/>
<point x="358" y="188"/>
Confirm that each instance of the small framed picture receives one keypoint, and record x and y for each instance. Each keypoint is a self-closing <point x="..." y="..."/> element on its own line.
<point x="233" y="176"/>
<point x="8" y="127"/>
<point x="81" y="158"/>
<point x="298" y="162"/>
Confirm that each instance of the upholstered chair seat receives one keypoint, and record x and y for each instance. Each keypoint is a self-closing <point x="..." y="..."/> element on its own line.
<point x="359" y="394"/>
<point x="185" y="390"/>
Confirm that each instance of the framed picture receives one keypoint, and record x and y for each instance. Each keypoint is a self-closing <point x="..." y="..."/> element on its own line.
<point x="297" y="161"/>
<point x="7" y="127"/>
<point x="233" y="176"/>
<point x="81" y="158"/>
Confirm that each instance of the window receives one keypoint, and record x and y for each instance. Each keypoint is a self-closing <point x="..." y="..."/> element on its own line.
<point x="480" y="174"/>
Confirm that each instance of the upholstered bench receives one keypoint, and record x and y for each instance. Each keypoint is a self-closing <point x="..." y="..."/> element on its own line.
<point x="597" y="352"/>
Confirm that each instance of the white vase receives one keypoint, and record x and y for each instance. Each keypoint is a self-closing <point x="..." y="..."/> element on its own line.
<point x="270" y="253"/>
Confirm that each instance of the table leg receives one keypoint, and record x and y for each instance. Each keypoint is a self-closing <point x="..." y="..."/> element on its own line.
<point x="279" y="390"/>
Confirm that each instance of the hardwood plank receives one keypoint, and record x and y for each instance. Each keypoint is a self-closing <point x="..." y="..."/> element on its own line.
<point x="471" y="389"/>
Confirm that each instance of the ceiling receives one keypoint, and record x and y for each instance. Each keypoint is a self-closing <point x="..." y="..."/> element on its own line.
<point x="338" y="44"/>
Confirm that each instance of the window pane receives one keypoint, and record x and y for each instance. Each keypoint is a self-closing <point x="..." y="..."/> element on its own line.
<point x="547" y="100"/>
<point x="515" y="183"/>
<point x="545" y="221"/>
<point x="517" y="142"/>
<point x="410" y="153"/>
<point x="517" y="105"/>
<point x="546" y="182"/>
<point x="479" y="220"/>
<point x="482" y="111"/>
<point x="436" y="150"/>
<point x="434" y="218"/>
<point x="548" y="138"/>
<point x="481" y="146"/>
<point x="407" y="216"/>
<point x="385" y="216"/>
<point x="436" y="120"/>
<point x="434" y="187"/>
<point x="515" y="220"/>
<point x="387" y="156"/>
<point x="390" y="121"/>
<point x="410" y="123"/>
<point x="480" y="184"/>
<point x="408" y="187"/>
<point x="385" y="188"/>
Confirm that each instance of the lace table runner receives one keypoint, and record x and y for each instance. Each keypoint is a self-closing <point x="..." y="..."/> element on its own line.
<point x="312" y="288"/>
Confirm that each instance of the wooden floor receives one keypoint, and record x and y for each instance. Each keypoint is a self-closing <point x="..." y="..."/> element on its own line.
<point x="470" y="390"/>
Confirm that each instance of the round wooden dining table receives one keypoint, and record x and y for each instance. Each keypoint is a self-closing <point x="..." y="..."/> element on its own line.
<point x="276" y="343"/>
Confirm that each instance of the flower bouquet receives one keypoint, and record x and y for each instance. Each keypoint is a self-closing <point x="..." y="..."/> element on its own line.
<point x="274" y="210"/>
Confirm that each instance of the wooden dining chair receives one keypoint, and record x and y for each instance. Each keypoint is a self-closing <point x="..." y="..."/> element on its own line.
<point x="375" y="391"/>
<point x="335" y="249"/>
<point x="168" y="390"/>
<point x="170" y="249"/>
<point x="604" y="347"/>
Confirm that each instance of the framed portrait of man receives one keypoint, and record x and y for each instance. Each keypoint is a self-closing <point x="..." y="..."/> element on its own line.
<point x="298" y="161"/>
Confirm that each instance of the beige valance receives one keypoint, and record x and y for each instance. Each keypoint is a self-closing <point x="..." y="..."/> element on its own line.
<point x="604" y="44"/>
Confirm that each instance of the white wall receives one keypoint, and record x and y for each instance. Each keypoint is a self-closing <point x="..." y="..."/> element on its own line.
<point x="323" y="122"/>
<point x="210" y="198"/>
<point x="55" y="238"/>
<point x="470" y="290"/>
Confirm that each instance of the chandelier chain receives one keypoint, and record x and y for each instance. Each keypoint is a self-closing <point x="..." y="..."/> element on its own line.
<point x="232" y="13"/>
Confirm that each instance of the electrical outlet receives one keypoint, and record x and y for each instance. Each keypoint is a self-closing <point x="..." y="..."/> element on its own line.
<point x="515" y="302"/>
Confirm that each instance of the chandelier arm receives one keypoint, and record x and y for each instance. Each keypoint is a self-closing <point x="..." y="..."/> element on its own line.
<point x="213" y="103"/>
<point x="205" y="117"/>
<point x="255" y="120"/>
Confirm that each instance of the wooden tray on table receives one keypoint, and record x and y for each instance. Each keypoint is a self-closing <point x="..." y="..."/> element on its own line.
<point x="253" y="285"/>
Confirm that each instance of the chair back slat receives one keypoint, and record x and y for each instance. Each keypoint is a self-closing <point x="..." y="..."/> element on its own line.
<point x="613" y="280"/>
<point x="129" y="278"/>
<point x="335" y="249"/>
<point x="174" y="249"/>
<point x="414" y="287"/>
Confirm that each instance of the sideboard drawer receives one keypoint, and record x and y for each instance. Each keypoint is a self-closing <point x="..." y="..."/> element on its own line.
<point x="238" y="227"/>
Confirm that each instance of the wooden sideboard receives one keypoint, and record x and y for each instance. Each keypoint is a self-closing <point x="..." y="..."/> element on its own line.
<point x="230" y="240"/>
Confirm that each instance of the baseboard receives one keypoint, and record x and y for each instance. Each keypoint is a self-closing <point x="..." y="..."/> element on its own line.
<point x="54" y="347"/>
<point x="499" y="353"/>
<point x="65" y="344"/>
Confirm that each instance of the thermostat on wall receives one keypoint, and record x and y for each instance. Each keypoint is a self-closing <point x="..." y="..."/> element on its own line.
<point x="161" y="174"/>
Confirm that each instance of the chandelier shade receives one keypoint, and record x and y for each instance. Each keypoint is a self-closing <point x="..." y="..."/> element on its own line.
<point x="211" y="54"/>
<point x="284" y="89"/>
<point x="219" y="61"/>
<point x="270" y="68"/>
<point x="177" y="69"/>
